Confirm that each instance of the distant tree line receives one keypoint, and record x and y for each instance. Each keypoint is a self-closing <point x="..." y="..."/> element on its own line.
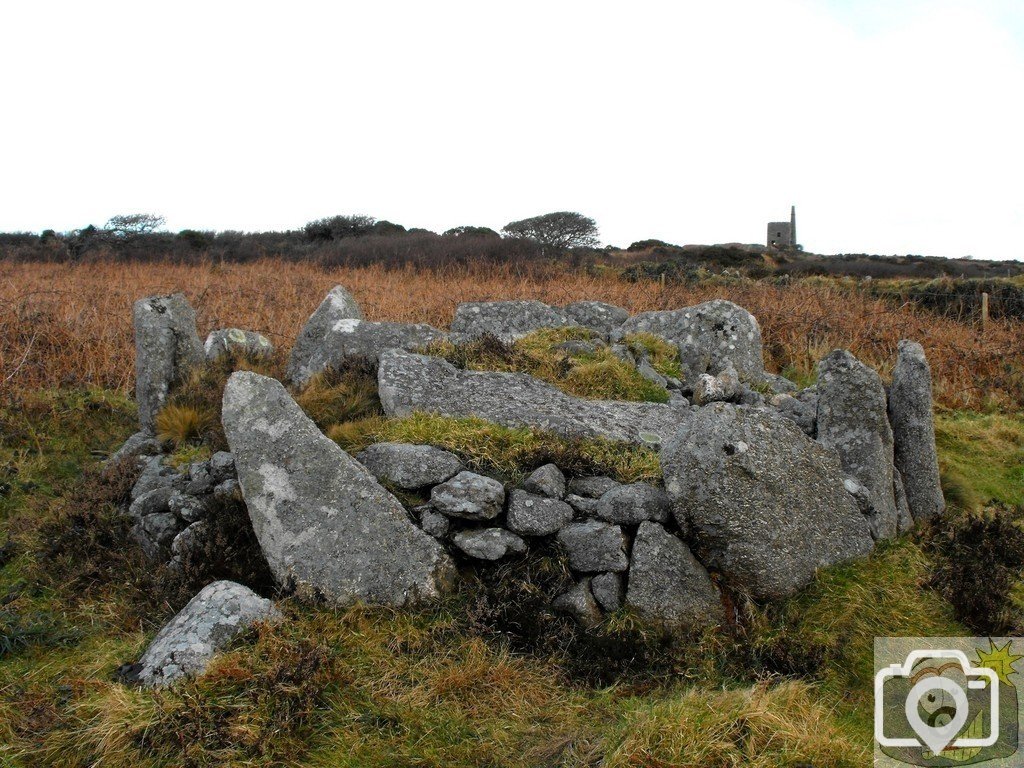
<point x="353" y="239"/>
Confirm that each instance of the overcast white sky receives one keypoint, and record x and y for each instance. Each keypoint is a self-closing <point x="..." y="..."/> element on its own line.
<point x="895" y="126"/>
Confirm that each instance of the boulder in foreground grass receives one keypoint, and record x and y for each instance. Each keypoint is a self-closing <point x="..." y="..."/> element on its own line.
<point x="667" y="584"/>
<point x="167" y="347"/>
<point x="326" y="526"/>
<point x="410" y="383"/>
<point x="187" y="643"/>
<point x="913" y="428"/>
<point x="765" y="503"/>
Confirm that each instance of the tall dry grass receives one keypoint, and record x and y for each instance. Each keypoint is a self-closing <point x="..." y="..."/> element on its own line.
<point x="70" y="325"/>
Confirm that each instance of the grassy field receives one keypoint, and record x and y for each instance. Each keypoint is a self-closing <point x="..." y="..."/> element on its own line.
<point x="781" y="685"/>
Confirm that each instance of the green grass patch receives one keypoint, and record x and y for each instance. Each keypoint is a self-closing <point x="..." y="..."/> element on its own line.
<point x="981" y="457"/>
<point x="509" y="452"/>
<point x="663" y="355"/>
<point x="595" y="373"/>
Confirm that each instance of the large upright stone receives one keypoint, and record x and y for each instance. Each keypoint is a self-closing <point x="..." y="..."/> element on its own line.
<point x="325" y="524"/>
<point x="851" y="418"/>
<point x="187" y="643"/>
<point x="337" y="307"/>
<point x="913" y="428"/>
<point x="505" y="320"/>
<point x="667" y="584"/>
<point x="409" y="383"/>
<point x="766" y="504"/>
<point x="726" y="332"/>
<point x="167" y="347"/>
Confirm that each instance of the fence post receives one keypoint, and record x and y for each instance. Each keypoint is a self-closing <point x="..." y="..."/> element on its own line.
<point x="984" y="312"/>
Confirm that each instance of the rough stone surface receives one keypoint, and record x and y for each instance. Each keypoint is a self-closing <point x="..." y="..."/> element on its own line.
<point x="608" y="591"/>
<point x="582" y="504"/>
<point x="722" y="332"/>
<point x="167" y="347"/>
<point x="410" y="466"/>
<point x="913" y="428"/>
<point x="801" y="408"/>
<point x="361" y="338"/>
<point x="434" y="523"/>
<point x="634" y="503"/>
<point x="765" y="503"/>
<point x="579" y="603"/>
<point x="323" y="521"/>
<point x="596" y="315"/>
<point x="188" y="508"/>
<point x="469" y="496"/>
<point x="337" y="307"/>
<point x="222" y="466"/>
<point x="506" y="320"/>
<point x="139" y="444"/>
<point x="225" y="341"/>
<point x="592" y="486"/>
<point x="852" y="419"/>
<point x="594" y="546"/>
<point x="904" y="519"/>
<point x="489" y="543"/>
<point x="546" y="481"/>
<point x="667" y="584"/>
<point x="185" y="646"/>
<point x="156" y="474"/>
<point x="723" y="387"/>
<point x="227" y="491"/>
<point x="411" y="383"/>
<point x="534" y="515"/>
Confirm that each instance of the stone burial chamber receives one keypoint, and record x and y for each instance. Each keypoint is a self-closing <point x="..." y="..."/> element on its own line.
<point x="762" y="484"/>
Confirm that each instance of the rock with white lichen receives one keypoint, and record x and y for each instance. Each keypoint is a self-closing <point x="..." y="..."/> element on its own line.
<point x="326" y="526"/>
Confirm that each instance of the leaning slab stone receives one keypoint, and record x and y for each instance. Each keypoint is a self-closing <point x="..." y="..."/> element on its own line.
<point x="489" y="543"/>
<point x="534" y="515"/>
<point x="337" y="307"/>
<point x="594" y="546"/>
<point x="185" y="646"/>
<point x="546" y="481"/>
<point x="904" y="519"/>
<point x="667" y="584"/>
<point x="469" y="496"/>
<point x="326" y="526"/>
<point x="227" y="341"/>
<point x="723" y="331"/>
<point x="913" y="428"/>
<point x="505" y="320"/>
<point x="765" y="503"/>
<point x="410" y="466"/>
<point x="363" y="339"/>
<point x="409" y="383"/>
<point x="596" y="315"/>
<point x="166" y="349"/>
<point x="634" y="503"/>
<point x="852" y="419"/>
